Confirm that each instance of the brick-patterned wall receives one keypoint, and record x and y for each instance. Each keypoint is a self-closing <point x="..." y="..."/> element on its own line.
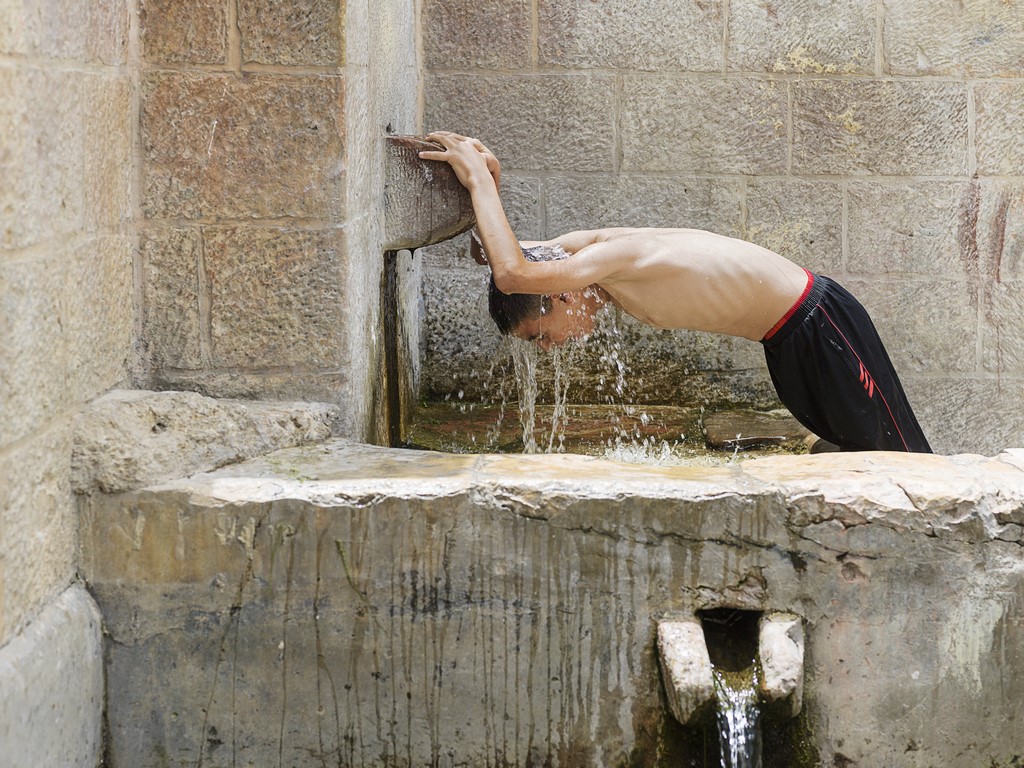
<point x="878" y="142"/>
<point x="260" y="153"/>
<point x="242" y="151"/>
<point x="66" y="241"/>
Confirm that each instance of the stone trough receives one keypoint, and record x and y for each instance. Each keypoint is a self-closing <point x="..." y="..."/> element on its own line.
<point x="335" y="603"/>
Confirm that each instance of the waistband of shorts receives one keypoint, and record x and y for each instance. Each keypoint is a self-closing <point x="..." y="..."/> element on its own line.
<point x="801" y="308"/>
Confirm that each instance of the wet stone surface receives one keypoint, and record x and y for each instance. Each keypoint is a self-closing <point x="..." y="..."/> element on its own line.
<point x="341" y="603"/>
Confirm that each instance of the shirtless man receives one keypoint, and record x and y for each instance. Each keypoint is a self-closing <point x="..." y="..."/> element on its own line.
<point x="825" y="358"/>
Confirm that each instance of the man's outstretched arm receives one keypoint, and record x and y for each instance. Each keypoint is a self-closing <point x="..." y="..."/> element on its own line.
<point x="473" y="163"/>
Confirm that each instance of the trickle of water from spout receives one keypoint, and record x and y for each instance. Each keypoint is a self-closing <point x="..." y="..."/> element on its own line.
<point x="739" y="727"/>
<point x="524" y="360"/>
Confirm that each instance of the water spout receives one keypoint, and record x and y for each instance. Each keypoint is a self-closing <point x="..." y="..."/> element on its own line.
<point x="781" y="650"/>
<point x="740" y="663"/>
<point x="686" y="669"/>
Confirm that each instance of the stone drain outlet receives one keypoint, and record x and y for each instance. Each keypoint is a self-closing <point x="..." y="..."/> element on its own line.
<point x="686" y="666"/>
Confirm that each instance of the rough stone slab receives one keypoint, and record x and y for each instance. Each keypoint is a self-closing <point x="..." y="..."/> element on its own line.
<point x="424" y="201"/>
<point x="261" y="146"/>
<point x="307" y="32"/>
<point x="66" y="30"/>
<point x="329" y="582"/>
<point x="531" y="122"/>
<point x="740" y="128"/>
<point x="98" y="315"/>
<point x="907" y="313"/>
<point x="639" y="200"/>
<point x="39" y="525"/>
<point x="170" y="307"/>
<point x="130" y="438"/>
<point x="184" y="33"/>
<point x="43" y="156"/>
<point x="745" y="429"/>
<point x="906" y="228"/>
<point x="296" y="384"/>
<point x="973" y="39"/>
<point x="107" y="152"/>
<point x="802" y="220"/>
<point x="493" y="34"/>
<point x="1002" y="337"/>
<point x="32" y="344"/>
<point x="979" y="415"/>
<point x="992" y="231"/>
<point x="686" y="669"/>
<point x="813" y="37"/>
<point x="895" y="128"/>
<point x="51" y="712"/>
<point x="283" y="309"/>
<point x="658" y="35"/>
<point x="1000" y="110"/>
<point x="780" y="649"/>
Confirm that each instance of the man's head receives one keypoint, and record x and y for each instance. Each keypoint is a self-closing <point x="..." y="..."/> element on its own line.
<point x="547" y="320"/>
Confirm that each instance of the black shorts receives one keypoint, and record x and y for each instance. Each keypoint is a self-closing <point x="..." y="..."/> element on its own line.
<point x="832" y="372"/>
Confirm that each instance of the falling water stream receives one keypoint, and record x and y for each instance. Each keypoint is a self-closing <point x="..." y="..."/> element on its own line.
<point x="738" y="717"/>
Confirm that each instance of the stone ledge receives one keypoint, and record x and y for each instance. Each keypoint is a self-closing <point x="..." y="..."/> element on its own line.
<point x="127" y="439"/>
<point x="328" y="583"/>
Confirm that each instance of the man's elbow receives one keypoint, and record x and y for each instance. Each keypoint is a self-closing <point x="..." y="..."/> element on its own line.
<point x="507" y="281"/>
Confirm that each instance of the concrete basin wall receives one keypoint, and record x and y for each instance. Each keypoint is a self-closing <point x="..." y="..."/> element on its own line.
<point x="352" y="605"/>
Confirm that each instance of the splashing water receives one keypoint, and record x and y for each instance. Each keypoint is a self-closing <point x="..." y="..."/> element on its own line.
<point x="739" y="727"/>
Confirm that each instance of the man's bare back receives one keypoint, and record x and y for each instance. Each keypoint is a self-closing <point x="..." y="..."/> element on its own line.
<point x="686" y="278"/>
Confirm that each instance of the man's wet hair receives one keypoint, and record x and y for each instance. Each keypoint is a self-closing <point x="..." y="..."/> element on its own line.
<point x="508" y="310"/>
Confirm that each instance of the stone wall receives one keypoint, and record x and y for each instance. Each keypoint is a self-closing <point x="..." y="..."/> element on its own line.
<point x="66" y="243"/>
<point x="877" y="142"/>
<point x="259" y="165"/>
<point x="344" y="604"/>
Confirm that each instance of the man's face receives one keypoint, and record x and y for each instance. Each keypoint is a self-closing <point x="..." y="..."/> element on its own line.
<point x="564" y="319"/>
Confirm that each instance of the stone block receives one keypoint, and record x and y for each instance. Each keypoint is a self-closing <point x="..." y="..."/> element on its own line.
<point x="296" y="384"/>
<point x="96" y="30"/>
<point x="741" y="126"/>
<point x="686" y="670"/>
<point x="975" y="38"/>
<point x="98" y="318"/>
<point x="39" y="523"/>
<point x="107" y="152"/>
<point x="494" y="34"/>
<point x="802" y="220"/>
<point x="652" y="36"/>
<point x="909" y="228"/>
<point x="531" y="122"/>
<point x="128" y="439"/>
<point x="170" y="285"/>
<point x="424" y="201"/>
<point x="32" y="344"/>
<point x="306" y="32"/>
<point x="639" y="200"/>
<point x="1000" y="142"/>
<point x="892" y="128"/>
<point x="811" y="37"/>
<point x="51" y="713"/>
<point x="282" y="308"/>
<point x="287" y="592"/>
<point x="460" y="340"/>
<point x="521" y="199"/>
<point x="1002" y="335"/>
<point x="907" y="314"/>
<point x="993" y="228"/>
<point x="184" y="33"/>
<point x="259" y="146"/>
<point x="42" y="156"/>
<point x="969" y="415"/>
